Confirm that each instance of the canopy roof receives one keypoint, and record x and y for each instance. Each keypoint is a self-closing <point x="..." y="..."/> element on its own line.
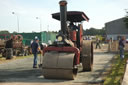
<point x="72" y="16"/>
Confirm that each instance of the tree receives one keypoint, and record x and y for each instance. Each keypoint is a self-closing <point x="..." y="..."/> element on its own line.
<point x="126" y="18"/>
<point x="14" y="32"/>
<point x="4" y="32"/>
<point x="126" y="21"/>
<point x="94" y="31"/>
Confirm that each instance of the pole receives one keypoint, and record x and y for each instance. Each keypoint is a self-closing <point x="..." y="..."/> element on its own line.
<point x="17" y="21"/>
<point x="40" y="23"/>
<point x="48" y="28"/>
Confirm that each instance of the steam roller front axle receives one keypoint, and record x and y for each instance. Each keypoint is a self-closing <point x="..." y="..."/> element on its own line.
<point x="59" y="65"/>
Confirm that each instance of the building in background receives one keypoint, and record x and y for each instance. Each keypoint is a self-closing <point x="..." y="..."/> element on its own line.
<point x="115" y="29"/>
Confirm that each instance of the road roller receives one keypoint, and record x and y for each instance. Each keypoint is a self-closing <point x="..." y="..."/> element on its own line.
<point x="63" y="58"/>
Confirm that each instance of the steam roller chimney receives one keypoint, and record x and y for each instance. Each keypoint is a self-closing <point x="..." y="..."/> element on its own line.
<point x="63" y="15"/>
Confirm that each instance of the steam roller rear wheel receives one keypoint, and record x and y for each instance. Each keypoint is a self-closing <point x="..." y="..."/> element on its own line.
<point x="58" y="65"/>
<point x="87" y="55"/>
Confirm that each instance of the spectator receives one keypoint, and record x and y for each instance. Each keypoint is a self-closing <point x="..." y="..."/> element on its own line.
<point x="121" y="46"/>
<point x="98" y="43"/>
<point x="35" y="47"/>
<point x="31" y="42"/>
<point x="42" y="46"/>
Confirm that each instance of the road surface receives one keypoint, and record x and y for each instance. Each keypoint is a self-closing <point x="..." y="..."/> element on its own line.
<point x="20" y="72"/>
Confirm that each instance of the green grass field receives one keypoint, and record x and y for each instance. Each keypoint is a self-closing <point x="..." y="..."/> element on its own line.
<point x="116" y="74"/>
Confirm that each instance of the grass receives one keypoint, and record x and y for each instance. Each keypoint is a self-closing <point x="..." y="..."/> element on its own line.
<point x="116" y="74"/>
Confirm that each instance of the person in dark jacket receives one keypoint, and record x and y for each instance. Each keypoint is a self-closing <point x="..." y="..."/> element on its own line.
<point x="9" y="43"/>
<point x="35" y="48"/>
<point x="98" y="43"/>
<point x="121" y="47"/>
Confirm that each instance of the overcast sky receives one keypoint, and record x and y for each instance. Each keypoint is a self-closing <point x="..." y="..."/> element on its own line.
<point x="99" y="12"/>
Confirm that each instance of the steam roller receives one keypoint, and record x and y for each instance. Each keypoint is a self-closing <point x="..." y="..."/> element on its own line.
<point x="63" y="57"/>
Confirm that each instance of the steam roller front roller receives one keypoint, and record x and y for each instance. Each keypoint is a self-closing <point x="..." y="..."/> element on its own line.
<point x="87" y="55"/>
<point x="59" y="65"/>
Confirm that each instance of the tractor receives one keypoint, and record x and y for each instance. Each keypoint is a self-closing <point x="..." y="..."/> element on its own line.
<point x="63" y="58"/>
<point x="14" y="46"/>
<point x="2" y="45"/>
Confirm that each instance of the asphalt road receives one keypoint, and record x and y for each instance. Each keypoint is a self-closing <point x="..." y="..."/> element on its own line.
<point x="20" y="72"/>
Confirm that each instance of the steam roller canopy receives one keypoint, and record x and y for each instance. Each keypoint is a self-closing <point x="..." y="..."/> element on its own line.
<point x="58" y="65"/>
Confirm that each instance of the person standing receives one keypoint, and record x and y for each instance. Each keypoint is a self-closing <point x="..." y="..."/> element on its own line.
<point x="98" y="43"/>
<point x="121" y="46"/>
<point x="35" y="48"/>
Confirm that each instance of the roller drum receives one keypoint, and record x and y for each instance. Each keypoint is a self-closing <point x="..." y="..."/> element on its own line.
<point x="58" y="65"/>
<point x="87" y="55"/>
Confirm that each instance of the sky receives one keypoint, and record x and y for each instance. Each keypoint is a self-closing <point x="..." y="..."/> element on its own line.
<point x="98" y="11"/>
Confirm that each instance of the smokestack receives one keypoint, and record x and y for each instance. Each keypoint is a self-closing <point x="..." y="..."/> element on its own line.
<point x="63" y="15"/>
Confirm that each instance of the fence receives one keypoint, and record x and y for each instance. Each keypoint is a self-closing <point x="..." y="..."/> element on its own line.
<point x="44" y="37"/>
